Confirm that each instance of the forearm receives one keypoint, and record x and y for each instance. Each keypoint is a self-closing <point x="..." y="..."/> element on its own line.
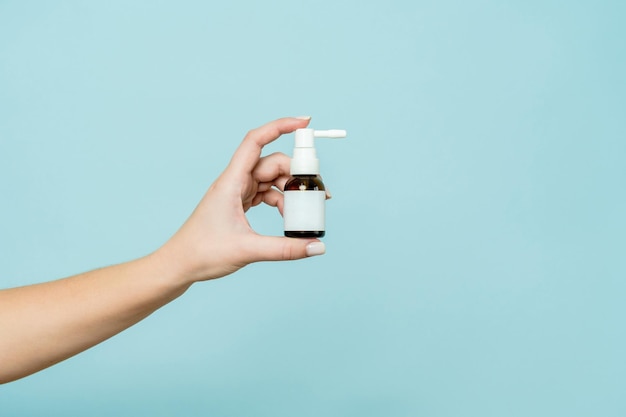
<point x="43" y="324"/>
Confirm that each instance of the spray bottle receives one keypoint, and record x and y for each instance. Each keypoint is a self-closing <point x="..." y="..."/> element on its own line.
<point x="305" y="194"/>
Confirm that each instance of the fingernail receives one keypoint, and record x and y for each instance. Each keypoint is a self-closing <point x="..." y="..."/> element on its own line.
<point x="315" y="248"/>
<point x="303" y="117"/>
<point x="328" y="195"/>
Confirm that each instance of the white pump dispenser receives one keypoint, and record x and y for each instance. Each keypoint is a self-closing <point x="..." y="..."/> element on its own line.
<point x="305" y="193"/>
<point x="305" y="160"/>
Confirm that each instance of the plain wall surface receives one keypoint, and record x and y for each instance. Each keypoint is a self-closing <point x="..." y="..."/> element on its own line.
<point x="476" y="237"/>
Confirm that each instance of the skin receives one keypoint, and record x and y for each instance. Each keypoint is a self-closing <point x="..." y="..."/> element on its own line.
<point x="46" y="323"/>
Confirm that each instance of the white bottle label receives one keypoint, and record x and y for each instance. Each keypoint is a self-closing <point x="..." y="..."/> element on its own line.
<point x="304" y="211"/>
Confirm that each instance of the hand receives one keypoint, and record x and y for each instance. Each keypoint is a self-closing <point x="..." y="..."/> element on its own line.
<point x="217" y="239"/>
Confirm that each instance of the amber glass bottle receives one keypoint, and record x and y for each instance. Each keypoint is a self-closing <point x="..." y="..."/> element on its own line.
<point x="304" y="206"/>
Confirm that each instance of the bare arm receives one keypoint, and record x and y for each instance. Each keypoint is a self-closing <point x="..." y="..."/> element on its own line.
<point x="43" y="324"/>
<point x="46" y="323"/>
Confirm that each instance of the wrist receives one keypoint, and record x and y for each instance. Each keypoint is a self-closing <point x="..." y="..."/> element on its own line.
<point x="170" y="268"/>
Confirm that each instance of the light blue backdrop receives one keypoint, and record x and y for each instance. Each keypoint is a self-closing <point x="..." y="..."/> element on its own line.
<point x="476" y="239"/>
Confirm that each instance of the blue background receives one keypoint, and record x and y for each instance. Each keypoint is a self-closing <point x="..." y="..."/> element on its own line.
<point x="476" y="238"/>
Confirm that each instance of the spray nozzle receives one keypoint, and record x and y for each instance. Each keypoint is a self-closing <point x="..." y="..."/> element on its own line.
<point x="333" y="133"/>
<point x="305" y="137"/>
<point x="305" y="160"/>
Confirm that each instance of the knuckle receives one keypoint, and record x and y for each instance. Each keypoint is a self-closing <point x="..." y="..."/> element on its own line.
<point x="289" y="252"/>
<point x="251" y="134"/>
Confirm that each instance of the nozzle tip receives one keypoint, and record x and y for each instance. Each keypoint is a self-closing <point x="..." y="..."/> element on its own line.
<point x="332" y="133"/>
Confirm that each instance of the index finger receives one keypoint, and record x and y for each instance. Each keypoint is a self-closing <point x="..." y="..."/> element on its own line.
<point x="248" y="153"/>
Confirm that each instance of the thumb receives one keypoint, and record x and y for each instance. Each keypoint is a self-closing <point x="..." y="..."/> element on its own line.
<point x="274" y="248"/>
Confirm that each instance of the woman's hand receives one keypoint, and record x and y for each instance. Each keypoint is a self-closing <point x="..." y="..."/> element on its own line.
<point x="217" y="239"/>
